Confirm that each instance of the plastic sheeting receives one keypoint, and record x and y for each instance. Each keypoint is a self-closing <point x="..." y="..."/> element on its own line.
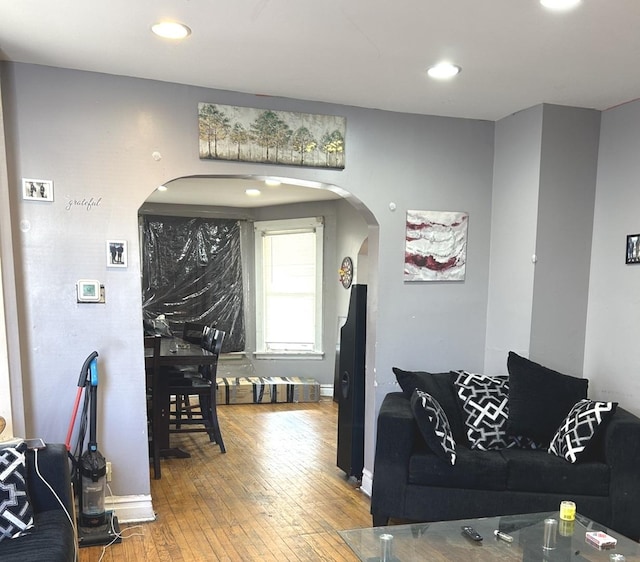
<point x="192" y="272"/>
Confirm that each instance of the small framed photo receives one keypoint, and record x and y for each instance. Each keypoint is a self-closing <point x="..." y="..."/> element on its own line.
<point x="37" y="190"/>
<point x="633" y="248"/>
<point x="116" y="253"/>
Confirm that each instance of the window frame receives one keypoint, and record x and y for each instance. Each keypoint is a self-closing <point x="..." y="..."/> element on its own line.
<point x="288" y="226"/>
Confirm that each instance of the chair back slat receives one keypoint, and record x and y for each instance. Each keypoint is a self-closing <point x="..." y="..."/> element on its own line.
<point x="214" y="346"/>
<point x="152" y="372"/>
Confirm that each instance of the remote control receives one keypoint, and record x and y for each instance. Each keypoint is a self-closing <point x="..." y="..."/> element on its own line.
<point x="471" y="533"/>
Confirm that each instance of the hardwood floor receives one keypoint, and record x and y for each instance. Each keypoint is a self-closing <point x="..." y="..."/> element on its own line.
<point x="276" y="494"/>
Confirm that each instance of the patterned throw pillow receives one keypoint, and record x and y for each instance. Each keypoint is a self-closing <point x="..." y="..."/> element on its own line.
<point x="485" y="402"/>
<point x="434" y="425"/>
<point x="16" y="514"/>
<point x="579" y="427"/>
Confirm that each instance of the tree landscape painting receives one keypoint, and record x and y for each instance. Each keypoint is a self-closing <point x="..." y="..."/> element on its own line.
<point x="271" y="137"/>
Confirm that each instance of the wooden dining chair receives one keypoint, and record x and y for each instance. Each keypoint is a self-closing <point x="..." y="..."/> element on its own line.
<point x="199" y="334"/>
<point x="204" y="416"/>
<point x="154" y="405"/>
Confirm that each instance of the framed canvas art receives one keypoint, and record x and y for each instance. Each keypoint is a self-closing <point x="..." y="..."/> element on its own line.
<point x="435" y="246"/>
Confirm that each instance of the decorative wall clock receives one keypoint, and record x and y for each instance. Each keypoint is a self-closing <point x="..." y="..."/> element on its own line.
<point x="346" y="272"/>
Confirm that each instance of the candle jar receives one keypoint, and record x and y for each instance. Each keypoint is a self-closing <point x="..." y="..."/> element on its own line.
<point x="567" y="511"/>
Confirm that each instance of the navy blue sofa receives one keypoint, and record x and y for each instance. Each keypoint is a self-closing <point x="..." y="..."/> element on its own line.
<point x="52" y="538"/>
<point x="410" y="483"/>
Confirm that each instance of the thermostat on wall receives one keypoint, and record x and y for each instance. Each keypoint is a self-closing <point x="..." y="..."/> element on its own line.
<point x="88" y="290"/>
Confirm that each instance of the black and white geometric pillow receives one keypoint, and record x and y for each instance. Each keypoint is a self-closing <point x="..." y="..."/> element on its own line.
<point x="16" y="514"/>
<point x="434" y="425"/>
<point x="485" y="401"/>
<point x="579" y="427"/>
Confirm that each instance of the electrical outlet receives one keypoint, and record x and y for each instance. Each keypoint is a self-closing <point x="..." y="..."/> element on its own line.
<point x="109" y="473"/>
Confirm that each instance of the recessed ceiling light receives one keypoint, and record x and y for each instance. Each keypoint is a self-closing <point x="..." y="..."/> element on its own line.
<point x="272" y="182"/>
<point x="560" y="4"/>
<point x="171" y="30"/>
<point x="443" y="70"/>
<point x="162" y="188"/>
<point x="252" y="192"/>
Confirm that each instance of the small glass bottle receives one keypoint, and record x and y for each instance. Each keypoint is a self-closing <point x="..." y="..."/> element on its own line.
<point x="550" y="531"/>
<point x="386" y="547"/>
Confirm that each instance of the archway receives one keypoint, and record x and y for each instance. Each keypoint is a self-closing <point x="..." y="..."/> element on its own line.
<point x="349" y="232"/>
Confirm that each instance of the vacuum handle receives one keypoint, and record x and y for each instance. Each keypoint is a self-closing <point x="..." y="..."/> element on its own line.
<point x="82" y="381"/>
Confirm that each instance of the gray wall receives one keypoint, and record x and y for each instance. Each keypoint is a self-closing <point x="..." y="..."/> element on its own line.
<point x="513" y="236"/>
<point x="543" y="200"/>
<point x="351" y="233"/>
<point x="94" y="135"/>
<point x="565" y="227"/>
<point x="612" y="361"/>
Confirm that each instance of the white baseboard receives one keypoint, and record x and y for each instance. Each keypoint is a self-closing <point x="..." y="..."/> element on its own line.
<point x="367" y="482"/>
<point x="326" y="390"/>
<point x="131" y="509"/>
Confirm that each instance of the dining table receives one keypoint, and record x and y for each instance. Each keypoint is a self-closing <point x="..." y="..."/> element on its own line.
<point x="174" y="352"/>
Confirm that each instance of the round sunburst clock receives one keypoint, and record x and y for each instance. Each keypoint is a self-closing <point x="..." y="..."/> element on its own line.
<point x="346" y="272"/>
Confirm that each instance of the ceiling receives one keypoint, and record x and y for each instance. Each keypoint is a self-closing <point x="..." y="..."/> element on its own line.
<point x="514" y="54"/>
<point x="369" y="53"/>
<point x="230" y="192"/>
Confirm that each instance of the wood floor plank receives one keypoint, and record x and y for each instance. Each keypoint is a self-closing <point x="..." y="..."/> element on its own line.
<point x="276" y="495"/>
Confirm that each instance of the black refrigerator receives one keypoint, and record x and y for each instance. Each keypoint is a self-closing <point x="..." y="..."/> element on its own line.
<point x="351" y="385"/>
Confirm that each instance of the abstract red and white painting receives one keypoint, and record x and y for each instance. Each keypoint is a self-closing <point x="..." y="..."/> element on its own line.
<point x="436" y="246"/>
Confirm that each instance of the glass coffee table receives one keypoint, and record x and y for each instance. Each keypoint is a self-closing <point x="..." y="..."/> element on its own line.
<point x="445" y="541"/>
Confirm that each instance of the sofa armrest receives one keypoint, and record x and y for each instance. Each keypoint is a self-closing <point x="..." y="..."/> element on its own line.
<point x="622" y="454"/>
<point x="395" y="438"/>
<point x="53" y="465"/>
<point x="396" y="430"/>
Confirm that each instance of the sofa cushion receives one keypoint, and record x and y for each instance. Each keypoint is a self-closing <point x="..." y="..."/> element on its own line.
<point x="580" y="426"/>
<point x="539" y="398"/>
<point x="538" y="471"/>
<point x="16" y="513"/>
<point x="440" y="386"/>
<point x="478" y="470"/>
<point x="51" y="540"/>
<point x="433" y="425"/>
<point x="484" y="400"/>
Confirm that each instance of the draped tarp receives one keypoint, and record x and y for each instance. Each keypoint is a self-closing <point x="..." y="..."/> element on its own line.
<point x="192" y="272"/>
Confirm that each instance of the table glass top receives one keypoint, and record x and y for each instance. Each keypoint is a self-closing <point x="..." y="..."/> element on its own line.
<point x="444" y="541"/>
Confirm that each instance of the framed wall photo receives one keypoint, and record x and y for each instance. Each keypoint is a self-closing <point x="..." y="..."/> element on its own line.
<point x="116" y="253"/>
<point x="37" y="190"/>
<point x="633" y="248"/>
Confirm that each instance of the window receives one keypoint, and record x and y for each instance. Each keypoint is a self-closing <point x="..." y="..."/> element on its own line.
<point x="289" y="286"/>
<point x="192" y="272"/>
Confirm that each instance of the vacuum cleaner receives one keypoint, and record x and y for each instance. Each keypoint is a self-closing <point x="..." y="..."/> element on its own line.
<point x="96" y="526"/>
